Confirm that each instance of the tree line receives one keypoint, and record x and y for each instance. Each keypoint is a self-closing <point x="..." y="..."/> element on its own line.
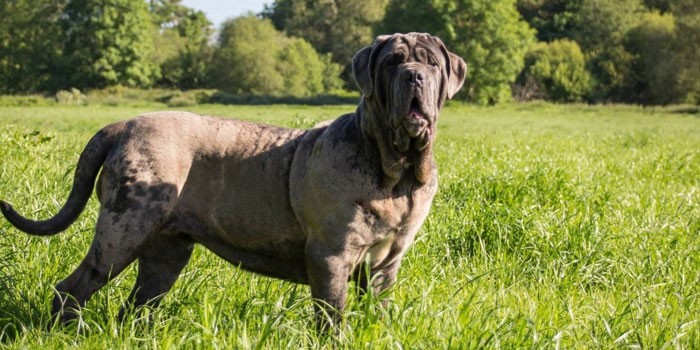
<point x="632" y="51"/>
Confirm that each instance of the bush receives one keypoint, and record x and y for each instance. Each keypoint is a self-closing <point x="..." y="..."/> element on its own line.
<point x="72" y="97"/>
<point x="655" y="69"/>
<point x="557" y="70"/>
<point x="254" y="58"/>
<point x="25" y="101"/>
<point x="600" y="27"/>
<point x="301" y="69"/>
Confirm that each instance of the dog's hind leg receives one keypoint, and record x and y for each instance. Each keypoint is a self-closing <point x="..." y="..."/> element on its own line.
<point x="160" y="264"/>
<point x="118" y="239"/>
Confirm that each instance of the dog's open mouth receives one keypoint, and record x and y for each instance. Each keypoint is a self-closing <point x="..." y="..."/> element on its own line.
<point x="415" y="121"/>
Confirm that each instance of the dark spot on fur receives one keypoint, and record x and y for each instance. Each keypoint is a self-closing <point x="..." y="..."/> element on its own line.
<point x="139" y="191"/>
<point x="370" y="215"/>
<point x="121" y="200"/>
<point x="160" y="195"/>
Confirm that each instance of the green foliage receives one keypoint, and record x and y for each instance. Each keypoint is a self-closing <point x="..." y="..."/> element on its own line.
<point x="640" y="51"/>
<point x="30" y="44"/>
<point x="74" y="96"/>
<point x="119" y="49"/>
<point x="553" y="19"/>
<point x="661" y="5"/>
<point x="600" y="29"/>
<point x="554" y="226"/>
<point x="557" y="70"/>
<point x="494" y="40"/>
<point x="655" y="64"/>
<point x="687" y="48"/>
<point x="490" y="36"/>
<point x="414" y="16"/>
<point x="254" y="58"/>
<point x="244" y="61"/>
<point x="301" y="68"/>
<point x="182" y="48"/>
<point x="338" y="28"/>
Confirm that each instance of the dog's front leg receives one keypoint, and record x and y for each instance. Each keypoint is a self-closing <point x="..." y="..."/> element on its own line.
<point x="378" y="281"/>
<point x="328" y="273"/>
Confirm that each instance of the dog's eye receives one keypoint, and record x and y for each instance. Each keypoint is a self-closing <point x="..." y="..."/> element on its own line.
<point x="433" y="62"/>
<point x="394" y="60"/>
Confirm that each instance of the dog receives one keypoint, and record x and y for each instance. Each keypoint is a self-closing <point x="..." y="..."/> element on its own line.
<point x="341" y="201"/>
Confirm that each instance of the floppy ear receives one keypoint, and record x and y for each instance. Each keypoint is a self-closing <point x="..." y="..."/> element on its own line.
<point x="360" y="69"/>
<point x="457" y="70"/>
<point x="455" y="66"/>
<point x="363" y="65"/>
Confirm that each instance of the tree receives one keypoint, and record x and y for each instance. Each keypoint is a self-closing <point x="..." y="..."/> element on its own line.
<point x="558" y="70"/>
<point x="655" y="70"/>
<point x="553" y="19"/>
<point x="182" y="44"/>
<point x="338" y="28"/>
<point x="663" y="6"/>
<point x="417" y="16"/>
<point x="30" y="44"/>
<point x="108" y="42"/>
<point x="490" y="36"/>
<point x="301" y="68"/>
<point x="253" y="58"/>
<point x="600" y="28"/>
<point x="245" y="58"/>
<point x="687" y="48"/>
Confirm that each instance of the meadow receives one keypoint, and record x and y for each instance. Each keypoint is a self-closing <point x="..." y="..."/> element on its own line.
<point x="555" y="226"/>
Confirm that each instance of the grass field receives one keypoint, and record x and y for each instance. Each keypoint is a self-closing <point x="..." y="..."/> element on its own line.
<point x="554" y="227"/>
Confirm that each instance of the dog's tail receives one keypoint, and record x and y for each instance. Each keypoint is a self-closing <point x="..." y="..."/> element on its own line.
<point x="86" y="171"/>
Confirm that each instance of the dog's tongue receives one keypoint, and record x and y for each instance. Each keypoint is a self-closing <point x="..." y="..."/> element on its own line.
<point x="415" y="122"/>
<point x="414" y="113"/>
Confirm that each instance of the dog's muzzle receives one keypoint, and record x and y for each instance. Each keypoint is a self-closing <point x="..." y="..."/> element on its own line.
<point x="415" y="122"/>
<point x="412" y="123"/>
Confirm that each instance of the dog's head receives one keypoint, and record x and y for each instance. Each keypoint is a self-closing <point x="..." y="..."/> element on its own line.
<point x="407" y="78"/>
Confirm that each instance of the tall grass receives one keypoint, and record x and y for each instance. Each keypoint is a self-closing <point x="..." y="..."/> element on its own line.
<point x="554" y="227"/>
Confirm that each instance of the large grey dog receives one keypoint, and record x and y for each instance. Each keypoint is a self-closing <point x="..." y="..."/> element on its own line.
<point x="320" y="206"/>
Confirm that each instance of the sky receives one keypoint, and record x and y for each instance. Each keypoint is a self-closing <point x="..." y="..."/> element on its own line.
<point x="218" y="11"/>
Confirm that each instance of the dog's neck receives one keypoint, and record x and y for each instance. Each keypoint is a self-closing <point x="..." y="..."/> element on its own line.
<point x="420" y="165"/>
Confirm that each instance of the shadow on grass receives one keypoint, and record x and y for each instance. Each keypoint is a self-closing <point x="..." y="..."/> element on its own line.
<point x="686" y="110"/>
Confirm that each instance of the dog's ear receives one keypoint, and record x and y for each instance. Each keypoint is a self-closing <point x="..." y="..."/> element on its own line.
<point x="363" y="65"/>
<point x="455" y="66"/>
<point x="457" y="71"/>
<point x="360" y="69"/>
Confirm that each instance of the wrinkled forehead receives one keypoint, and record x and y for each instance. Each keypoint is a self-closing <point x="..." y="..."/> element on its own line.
<point x="418" y="48"/>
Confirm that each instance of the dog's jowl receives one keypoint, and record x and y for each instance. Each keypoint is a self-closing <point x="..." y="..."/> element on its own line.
<point x="309" y="206"/>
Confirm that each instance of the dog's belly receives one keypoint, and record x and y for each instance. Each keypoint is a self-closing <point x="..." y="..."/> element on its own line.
<point x="283" y="260"/>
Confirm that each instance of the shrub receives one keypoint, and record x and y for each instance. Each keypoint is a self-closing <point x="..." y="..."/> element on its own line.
<point x="600" y="27"/>
<point x="558" y="70"/>
<point x="655" y="69"/>
<point x="254" y="58"/>
<point x="72" y="97"/>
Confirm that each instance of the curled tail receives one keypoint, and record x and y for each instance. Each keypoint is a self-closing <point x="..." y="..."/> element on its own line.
<point x="86" y="171"/>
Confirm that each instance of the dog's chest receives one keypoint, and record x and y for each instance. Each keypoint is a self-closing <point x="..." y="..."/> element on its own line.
<point x="392" y="223"/>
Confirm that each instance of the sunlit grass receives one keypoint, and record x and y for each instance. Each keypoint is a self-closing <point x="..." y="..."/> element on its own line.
<point x="554" y="227"/>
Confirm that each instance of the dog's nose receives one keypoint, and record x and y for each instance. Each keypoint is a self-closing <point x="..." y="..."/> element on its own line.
<point x="415" y="77"/>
